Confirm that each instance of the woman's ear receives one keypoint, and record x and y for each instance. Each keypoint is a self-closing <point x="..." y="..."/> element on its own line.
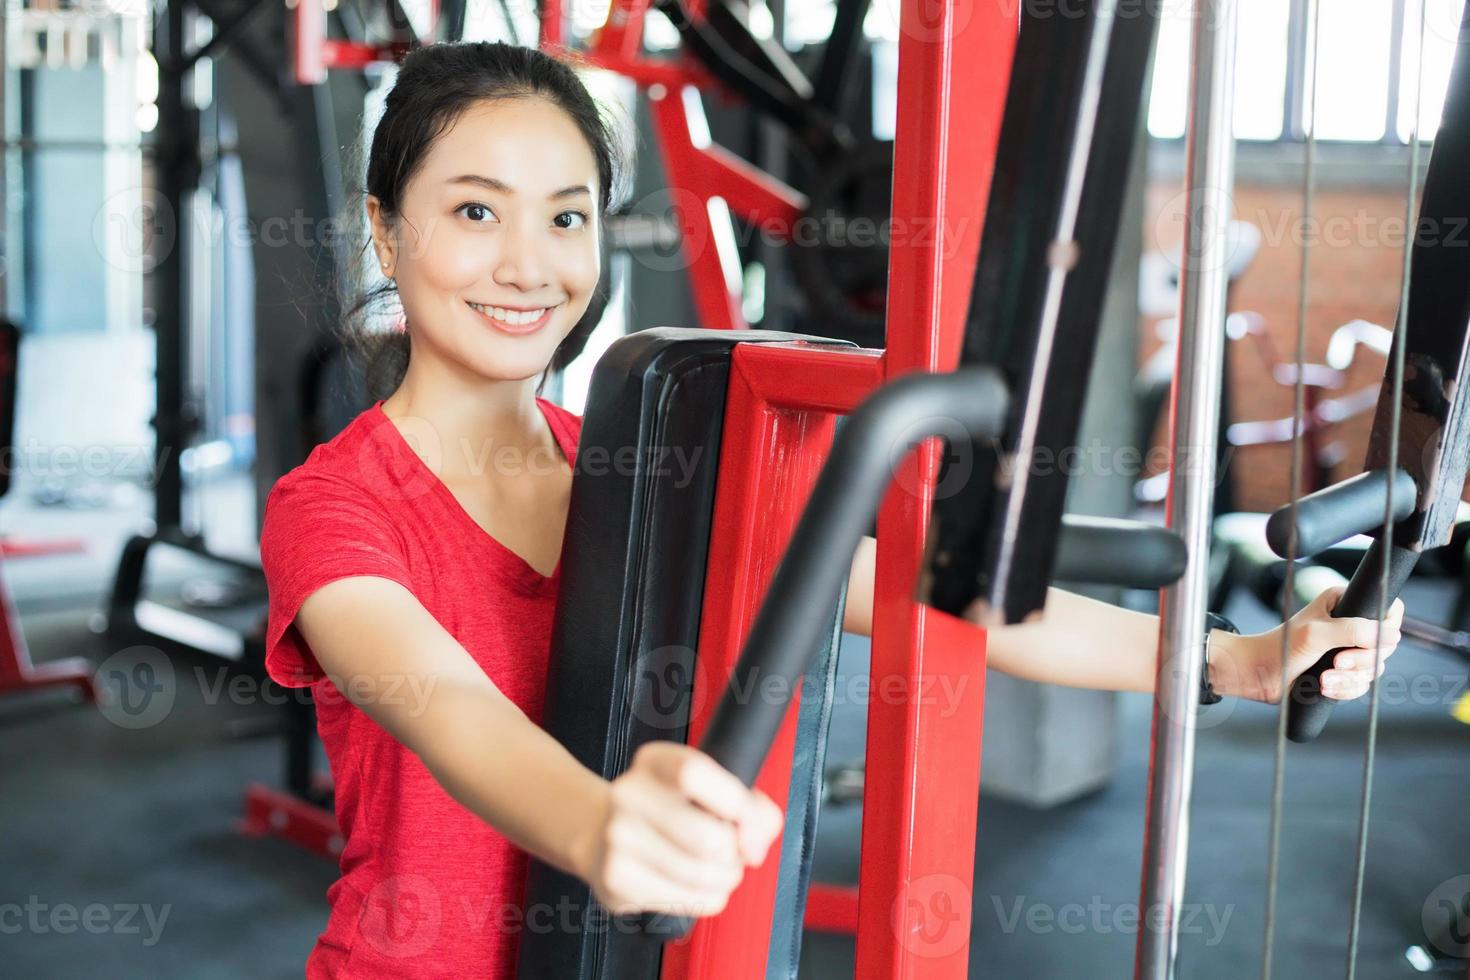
<point x="383" y="243"/>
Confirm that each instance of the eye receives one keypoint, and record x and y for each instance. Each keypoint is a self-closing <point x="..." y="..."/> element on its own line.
<point x="474" y="212"/>
<point x="580" y="215"/>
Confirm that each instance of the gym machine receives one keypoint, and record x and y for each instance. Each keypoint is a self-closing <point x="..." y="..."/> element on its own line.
<point x="912" y="919"/>
<point x="178" y="160"/>
<point x="242" y="48"/>
<point x="17" y="673"/>
<point x="972" y="351"/>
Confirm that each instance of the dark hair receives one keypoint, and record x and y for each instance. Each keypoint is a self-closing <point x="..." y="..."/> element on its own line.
<point x="436" y="85"/>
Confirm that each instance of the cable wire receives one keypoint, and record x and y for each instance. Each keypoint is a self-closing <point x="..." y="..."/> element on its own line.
<point x="1396" y="409"/>
<point x="1313" y="22"/>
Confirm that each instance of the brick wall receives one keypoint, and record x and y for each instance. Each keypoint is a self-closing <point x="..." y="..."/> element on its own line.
<point x="1356" y="260"/>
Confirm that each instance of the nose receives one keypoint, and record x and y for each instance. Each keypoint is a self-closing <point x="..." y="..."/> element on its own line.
<point x="523" y="262"/>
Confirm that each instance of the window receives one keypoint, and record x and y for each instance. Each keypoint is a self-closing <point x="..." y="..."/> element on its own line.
<point x="1367" y="69"/>
<point x="1441" y="28"/>
<point x="1353" y="61"/>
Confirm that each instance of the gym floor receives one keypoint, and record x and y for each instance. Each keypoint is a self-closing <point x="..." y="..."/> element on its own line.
<point x="139" y="821"/>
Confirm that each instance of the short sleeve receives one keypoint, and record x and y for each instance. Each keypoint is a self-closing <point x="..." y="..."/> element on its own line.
<point x="318" y="529"/>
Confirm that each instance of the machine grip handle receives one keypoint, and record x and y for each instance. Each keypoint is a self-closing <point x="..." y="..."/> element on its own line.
<point x="1308" y="710"/>
<point x="1088" y="550"/>
<point x="1336" y="513"/>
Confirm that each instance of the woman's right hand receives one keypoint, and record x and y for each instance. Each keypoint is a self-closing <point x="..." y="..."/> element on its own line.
<point x="675" y="834"/>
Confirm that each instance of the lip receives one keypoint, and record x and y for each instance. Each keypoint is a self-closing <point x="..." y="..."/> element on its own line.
<point x="519" y="330"/>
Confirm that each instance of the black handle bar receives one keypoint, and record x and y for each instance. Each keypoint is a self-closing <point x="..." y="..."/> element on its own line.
<point x="1325" y="518"/>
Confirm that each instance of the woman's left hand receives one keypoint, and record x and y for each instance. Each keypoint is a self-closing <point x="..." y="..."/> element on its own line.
<point x="1253" y="667"/>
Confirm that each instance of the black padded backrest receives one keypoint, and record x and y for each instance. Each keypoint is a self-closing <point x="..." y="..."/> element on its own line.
<point x="627" y="621"/>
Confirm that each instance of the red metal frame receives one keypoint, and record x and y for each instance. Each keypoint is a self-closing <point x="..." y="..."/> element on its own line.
<point x="18" y="674"/>
<point x="831" y="908"/>
<point x="312" y="52"/>
<point x="271" y="811"/>
<point x="699" y="173"/>
<point x="13" y="547"/>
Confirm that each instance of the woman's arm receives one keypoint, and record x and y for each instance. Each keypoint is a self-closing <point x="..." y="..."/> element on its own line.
<point x="1082" y="642"/>
<point x="1063" y="643"/>
<point x="669" y="835"/>
<point x="857" y="614"/>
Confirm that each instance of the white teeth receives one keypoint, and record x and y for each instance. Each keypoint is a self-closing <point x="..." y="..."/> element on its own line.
<point x="512" y="317"/>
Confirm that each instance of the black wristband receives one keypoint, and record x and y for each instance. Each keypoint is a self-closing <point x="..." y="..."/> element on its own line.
<point x="1213" y="621"/>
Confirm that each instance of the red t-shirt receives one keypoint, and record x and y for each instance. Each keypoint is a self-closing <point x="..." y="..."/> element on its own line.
<point x="427" y="889"/>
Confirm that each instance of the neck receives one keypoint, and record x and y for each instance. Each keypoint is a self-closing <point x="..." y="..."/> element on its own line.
<point x="460" y="425"/>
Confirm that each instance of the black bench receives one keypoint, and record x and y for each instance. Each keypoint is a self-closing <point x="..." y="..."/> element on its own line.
<point x="633" y="569"/>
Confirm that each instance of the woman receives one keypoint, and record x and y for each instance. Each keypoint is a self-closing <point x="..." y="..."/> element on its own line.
<point x="413" y="561"/>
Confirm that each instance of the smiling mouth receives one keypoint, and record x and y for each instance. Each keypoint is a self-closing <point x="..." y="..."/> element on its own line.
<point x="509" y="316"/>
<point x="513" y="321"/>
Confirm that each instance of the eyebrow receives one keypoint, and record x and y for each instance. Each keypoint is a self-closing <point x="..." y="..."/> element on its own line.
<point x="504" y="188"/>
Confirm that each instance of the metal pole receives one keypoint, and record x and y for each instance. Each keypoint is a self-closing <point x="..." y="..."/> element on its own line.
<point x="176" y="167"/>
<point x="1209" y="175"/>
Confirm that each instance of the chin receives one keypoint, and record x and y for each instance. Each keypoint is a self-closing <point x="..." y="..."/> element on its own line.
<point x="501" y="371"/>
<point x="503" y="365"/>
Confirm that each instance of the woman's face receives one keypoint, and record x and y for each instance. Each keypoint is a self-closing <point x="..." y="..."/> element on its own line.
<point x="500" y="218"/>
